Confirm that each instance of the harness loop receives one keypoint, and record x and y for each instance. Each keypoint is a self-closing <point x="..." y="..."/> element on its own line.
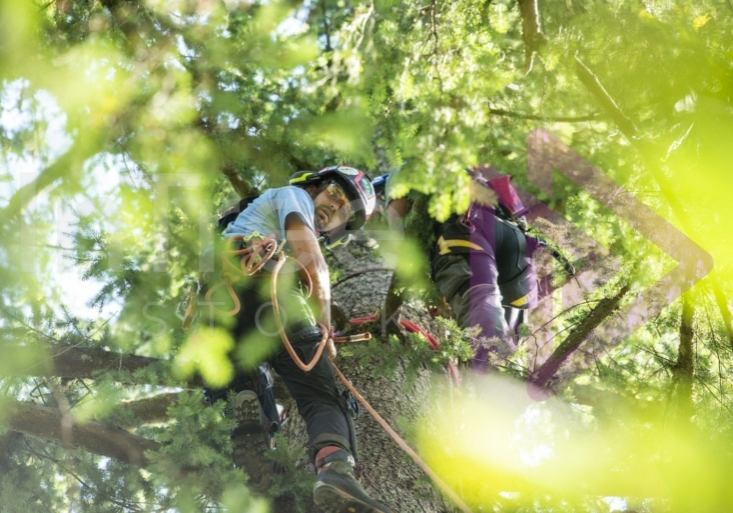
<point x="253" y="253"/>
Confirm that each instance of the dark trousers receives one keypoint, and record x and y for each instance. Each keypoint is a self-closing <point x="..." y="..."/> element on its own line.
<point x="315" y="392"/>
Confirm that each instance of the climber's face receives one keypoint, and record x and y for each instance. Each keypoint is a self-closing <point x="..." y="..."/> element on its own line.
<point x="332" y="207"/>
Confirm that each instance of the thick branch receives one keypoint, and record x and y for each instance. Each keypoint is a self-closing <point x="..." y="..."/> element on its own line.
<point x="46" y="423"/>
<point x="605" y="308"/>
<point x="72" y="361"/>
<point x="77" y="362"/>
<point x="240" y="186"/>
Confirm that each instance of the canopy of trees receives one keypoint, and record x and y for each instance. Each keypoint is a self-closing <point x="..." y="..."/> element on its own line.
<point x="125" y="125"/>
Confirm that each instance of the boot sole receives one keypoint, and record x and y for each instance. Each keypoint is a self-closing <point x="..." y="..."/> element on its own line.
<point x="334" y="500"/>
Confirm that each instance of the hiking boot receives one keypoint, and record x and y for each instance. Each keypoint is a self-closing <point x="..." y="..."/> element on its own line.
<point x="251" y="441"/>
<point x="338" y="491"/>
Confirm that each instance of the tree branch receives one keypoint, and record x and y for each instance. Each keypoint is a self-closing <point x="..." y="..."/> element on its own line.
<point x="535" y="117"/>
<point x="72" y="361"/>
<point x="149" y="410"/>
<point x="97" y="438"/>
<point x="78" y="362"/>
<point x="605" y="308"/>
<point x="240" y="186"/>
<point x="593" y="83"/>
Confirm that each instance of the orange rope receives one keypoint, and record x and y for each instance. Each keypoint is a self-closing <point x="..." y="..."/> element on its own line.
<point x="189" y="312"/>
<point x="282" y="257"/>
<point x="190" y="309"/>
<point x="232" y="293"/>
<point x="278" y="319"/>
<point x="395" y="436"/>
<point x="403" y="445"/>
<point x="254" y="256"/>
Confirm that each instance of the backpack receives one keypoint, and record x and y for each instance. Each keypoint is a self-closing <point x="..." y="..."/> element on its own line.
<point x="510" y="207"/>
<point x="232" y="212"/>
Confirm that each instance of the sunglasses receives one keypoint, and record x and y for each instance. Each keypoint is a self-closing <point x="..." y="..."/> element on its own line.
<point x="336" y="194"/>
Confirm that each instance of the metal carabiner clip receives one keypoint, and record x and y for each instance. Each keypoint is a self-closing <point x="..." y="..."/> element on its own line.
<point x="186" y="310"/>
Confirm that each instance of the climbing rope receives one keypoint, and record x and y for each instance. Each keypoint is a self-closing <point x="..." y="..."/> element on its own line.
<point x="252" y="255"/>
<point x="253" y="258"/>
<point x="402" y="444"/>
<point x="380" y="420"/>
<point x="278" y="318"/>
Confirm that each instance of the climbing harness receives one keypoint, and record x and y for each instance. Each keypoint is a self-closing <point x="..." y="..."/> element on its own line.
<point x="251" y="253"/>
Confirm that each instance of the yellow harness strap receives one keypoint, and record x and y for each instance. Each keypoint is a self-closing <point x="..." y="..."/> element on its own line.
<point x="445" y="245"/>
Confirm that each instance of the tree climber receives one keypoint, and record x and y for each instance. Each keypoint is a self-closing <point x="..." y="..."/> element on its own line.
<point x="328" y="203"/>
<point x="480" y="261"/>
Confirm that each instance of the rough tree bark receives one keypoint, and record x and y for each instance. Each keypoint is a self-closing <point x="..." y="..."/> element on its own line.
<point x="397" y="401"/>
<point x="386" y="471"/>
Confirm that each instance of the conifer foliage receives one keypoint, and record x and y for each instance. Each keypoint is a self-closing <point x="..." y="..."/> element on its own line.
<point x="125" y="125"/>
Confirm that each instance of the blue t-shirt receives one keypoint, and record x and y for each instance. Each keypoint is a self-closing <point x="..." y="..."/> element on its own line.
<point x="266" y="215"/>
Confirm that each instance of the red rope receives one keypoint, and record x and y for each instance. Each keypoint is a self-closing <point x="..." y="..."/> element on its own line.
<point x="414" y="328"/>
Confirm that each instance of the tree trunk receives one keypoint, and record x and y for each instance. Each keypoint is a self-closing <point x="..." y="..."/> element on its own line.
<point x="684" y="369"/>
<point x="387" y="472"/>
<point x="531" y="30"/>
